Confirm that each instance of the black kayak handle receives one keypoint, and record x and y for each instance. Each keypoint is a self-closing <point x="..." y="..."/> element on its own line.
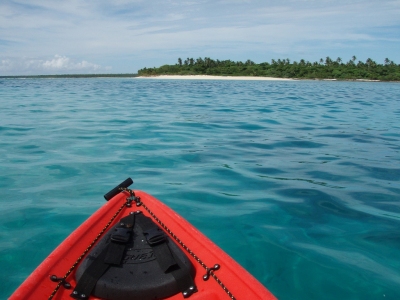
<point x="127" y="182"/>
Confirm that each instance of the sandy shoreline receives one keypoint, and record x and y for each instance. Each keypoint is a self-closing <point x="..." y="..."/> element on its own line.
<point x="209" y="77"/>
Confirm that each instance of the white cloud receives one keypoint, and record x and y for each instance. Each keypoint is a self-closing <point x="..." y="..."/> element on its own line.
<point x="65" y="63"/>
<point x="56" y="65"/>
<point x="131" y="34"/>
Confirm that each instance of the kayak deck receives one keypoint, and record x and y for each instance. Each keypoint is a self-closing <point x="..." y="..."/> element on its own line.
<point x="230" y="281"/>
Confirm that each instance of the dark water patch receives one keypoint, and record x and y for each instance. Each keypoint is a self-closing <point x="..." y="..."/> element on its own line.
<point x="324" y="175"/>
<point x="270" y="121"/>
<point x="225" y="110"/>
<point x="193" y="150"/>
<point x="306" y="128"/>
<point x="335" y="111"/>
<point x="250" y="127"/>
<point x="326" y="116"/>
<point x="330" y="128"/>
<point x="394" y="190"/>
<point x="392" y="134"/>
<point x="389" y="174"/>
<point x="364" y="103"/>
<point x="15" y="129"/>
<point x="287" y="108"/>
<point x="247" y="145"/>
<point x="359" y="140"/>
<point x="327" y="157"/>
<point x="265" y="110"/>
<point x="397" y="148"/>
<point x="389" y="202"/>
<point x="20" y="160"/>
<point x="86" y="137"/>
<point x="104" y="132"/>
<point x="297" y="144"/>
<point x="36" y="152"/>
<point x="337" y="135"/>
<point x="227" y="166"/>
<point x="29" y="147"/>
<point x="38" y="111"/>
<point x="119" y="121"/>
<point x="192" y="124"/>
<point x="266" y="171"/>
<point x="389" y="139"/>
<point x="6" y="181"/>
<point x="388" y="239"/>
<point x="229" y="195"/>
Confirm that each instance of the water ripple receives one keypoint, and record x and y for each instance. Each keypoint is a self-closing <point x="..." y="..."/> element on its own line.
<point x="298" y="181"/>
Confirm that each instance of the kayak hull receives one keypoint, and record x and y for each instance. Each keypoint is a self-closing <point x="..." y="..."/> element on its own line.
<point x="230" y="281"/>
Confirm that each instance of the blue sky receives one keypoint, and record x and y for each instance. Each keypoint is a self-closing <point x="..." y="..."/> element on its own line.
<point x="121" y="36"/>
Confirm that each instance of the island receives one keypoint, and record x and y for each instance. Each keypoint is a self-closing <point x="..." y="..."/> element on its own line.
<point x="324" y="69"/>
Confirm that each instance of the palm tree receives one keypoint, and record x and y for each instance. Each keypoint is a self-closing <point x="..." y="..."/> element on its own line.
<point x="199" y="61"/>
<point x="354" y="58"/>
<point x="207" y="62"/>
<point x="180" y="61"/>
<point x="328" y="61"/>
<point x="370" y="63"/>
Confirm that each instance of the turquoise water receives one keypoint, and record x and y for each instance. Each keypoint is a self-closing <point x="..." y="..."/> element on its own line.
<point x="298" y="181"/>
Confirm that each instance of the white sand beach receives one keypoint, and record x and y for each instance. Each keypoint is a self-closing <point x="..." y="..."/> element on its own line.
<point x="209" y="77"/>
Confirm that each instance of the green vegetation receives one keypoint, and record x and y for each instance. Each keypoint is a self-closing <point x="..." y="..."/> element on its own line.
<point x="72" y="76"/>
<point x="283" y="68"/>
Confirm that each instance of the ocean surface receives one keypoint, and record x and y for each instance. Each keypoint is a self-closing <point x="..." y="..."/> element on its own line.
<point x="299" y="181"/>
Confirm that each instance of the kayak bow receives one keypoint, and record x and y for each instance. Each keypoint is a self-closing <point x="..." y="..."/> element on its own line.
<point x="151" y="238"/>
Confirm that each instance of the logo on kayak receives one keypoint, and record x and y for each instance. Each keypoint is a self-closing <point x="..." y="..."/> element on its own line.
<point x="138" y="256"/>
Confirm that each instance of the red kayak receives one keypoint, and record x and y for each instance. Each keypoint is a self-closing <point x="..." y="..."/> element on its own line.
<point x="135" y="247"/>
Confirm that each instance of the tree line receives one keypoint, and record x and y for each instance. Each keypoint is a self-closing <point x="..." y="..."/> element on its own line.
<point x="283" y="68"/>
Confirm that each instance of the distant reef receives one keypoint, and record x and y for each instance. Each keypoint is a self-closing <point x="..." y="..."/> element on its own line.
<point x="284" y="68"/>
<point x="72" y="76"/>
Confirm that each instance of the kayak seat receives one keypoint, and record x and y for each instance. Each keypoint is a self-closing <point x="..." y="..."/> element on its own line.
<point x="135" y="259"/>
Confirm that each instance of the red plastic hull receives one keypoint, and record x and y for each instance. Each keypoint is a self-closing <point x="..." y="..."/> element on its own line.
<point x="240" y="283"/>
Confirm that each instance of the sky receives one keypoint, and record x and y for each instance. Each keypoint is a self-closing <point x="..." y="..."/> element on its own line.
<point x="123" y="36"/>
